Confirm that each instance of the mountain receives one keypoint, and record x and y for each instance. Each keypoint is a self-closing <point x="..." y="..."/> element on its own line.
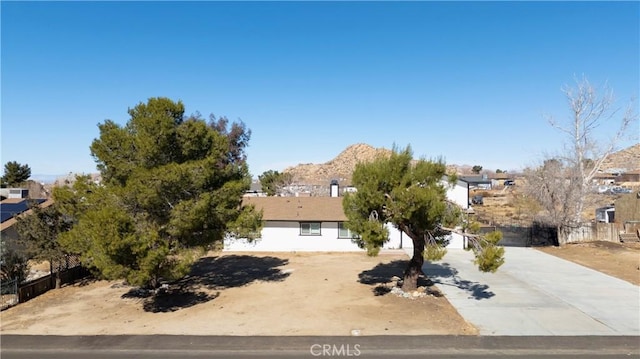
<point x="627" y="160"/>
<point x="343" y="165"/>
<point x="339" y="168"/>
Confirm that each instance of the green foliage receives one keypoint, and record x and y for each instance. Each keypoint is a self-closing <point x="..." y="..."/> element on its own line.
<point x="15" y="174"/>
<point x="13" y="262"/>
<point x="472" y="226"/>
<point x="476" y="169"/>
<point x="499" y="171"/>
<point x="488" y="256"/>
<point x="375" y="233"/>
<point x="434" y="252"/>
<point x="39" y="232"/>
<point x="398" y="190"/>
<point x="172" y="188"/>
<point x="272" y="180"/>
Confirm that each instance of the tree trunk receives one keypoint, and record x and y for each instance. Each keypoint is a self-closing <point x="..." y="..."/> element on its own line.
<point x="414" y="270"/>
<point x="58" y="280"/>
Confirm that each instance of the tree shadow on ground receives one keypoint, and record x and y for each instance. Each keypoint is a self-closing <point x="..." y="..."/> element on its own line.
<point x="212" y="273"/>
<point x="442" y="271"/>
<point x="231" y="271"/>
<point x="387" y="275"/>
<point x="382" y="276"/>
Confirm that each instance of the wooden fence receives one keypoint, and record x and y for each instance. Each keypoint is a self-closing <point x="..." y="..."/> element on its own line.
<point x="540" y="235"/>
<point x="609" y="232"/>
<point x="31" y="289"/>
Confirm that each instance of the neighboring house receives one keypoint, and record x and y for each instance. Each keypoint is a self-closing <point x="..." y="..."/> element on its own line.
<point x="606" y="214"/>
<point x="255" y="190"/>
<point x="459" y="193"/>
<point x="631" y="176"/>
<point x="499" y="179"/>
<point x="500" y="176"/>
<point x="602" y="178"/>
<point x="317" y="224"/>
<point x="14" y="193"/>
<point x="628" y="213"/>
<point x="11" y="208"/>
<point x="628" y="208"/>
<point x="479" y="182"/>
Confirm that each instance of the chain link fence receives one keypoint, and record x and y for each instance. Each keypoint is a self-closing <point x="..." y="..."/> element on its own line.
<point x="8" y="293"/>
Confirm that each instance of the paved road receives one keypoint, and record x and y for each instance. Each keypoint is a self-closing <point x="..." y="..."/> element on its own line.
<point x="161" y="346"/>
<point x="535" y="293"/>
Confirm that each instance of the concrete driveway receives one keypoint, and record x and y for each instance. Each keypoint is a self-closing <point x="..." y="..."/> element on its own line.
<point x="535" y="293"/>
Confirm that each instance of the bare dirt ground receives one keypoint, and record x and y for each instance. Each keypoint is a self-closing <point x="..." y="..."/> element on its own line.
<point x="620" y="260"/>
<point x="248" y="294"/>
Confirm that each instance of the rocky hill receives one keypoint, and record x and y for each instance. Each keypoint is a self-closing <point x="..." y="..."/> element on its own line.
<point x="340" y="168"/>
<point x="626" y="159"/>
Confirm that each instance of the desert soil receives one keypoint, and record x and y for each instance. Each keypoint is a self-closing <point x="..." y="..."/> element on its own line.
<point x="248" y="294"/>
<point x="620" y="260"/>
<point x="276" y="294"/>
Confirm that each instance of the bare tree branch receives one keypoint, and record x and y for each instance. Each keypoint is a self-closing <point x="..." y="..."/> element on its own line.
<point x="561" y="184"/>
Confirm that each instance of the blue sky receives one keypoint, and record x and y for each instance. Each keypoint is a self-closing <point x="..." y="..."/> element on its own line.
<point x="468" y="81"/>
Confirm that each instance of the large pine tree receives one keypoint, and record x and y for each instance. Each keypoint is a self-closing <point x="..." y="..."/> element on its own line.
<point x="410" y="195"/>
<point x="171" y="188"/>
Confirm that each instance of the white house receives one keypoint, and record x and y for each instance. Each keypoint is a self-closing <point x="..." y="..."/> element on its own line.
<point x="317" y="224"/>
<point x="302" y="224"/>
<point x="458" y="194"/>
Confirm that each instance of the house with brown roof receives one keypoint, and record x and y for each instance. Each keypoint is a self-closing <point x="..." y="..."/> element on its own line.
<point x="11" y="209"/>
<point x="302" y="224"/>
<point x="318" y="224"/>
<point x="630" y="176"/>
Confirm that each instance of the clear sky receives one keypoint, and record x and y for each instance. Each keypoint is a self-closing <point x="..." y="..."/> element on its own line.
<point x="468" y="81"/>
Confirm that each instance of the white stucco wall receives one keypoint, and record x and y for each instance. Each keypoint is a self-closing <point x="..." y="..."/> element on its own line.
<point x="285" y="237"/>
<point x="459" y="194"/>
<point x="282" y="236"/>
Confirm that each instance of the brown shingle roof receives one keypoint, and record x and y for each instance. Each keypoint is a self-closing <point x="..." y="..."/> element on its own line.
<point x="327" y="209"/>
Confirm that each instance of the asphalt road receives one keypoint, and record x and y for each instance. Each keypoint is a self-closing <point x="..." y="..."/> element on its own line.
<point x="160" y="346"/>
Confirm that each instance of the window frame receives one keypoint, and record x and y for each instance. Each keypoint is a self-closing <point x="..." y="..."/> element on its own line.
<point x="350" y="235"/>
<point x="311" y="231"/>
<point x="341" y="228"/>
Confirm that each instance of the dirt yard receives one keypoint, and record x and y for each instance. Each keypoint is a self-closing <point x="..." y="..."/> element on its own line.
<point x="276" y="294"/>
<point x="248" y="294"/>
<point x="620" y="260"/>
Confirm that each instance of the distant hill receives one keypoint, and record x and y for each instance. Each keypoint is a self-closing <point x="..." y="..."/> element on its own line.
<point x="340" y="168"/>
<point x="343" y="165"/>
<point x="626" y="159"/>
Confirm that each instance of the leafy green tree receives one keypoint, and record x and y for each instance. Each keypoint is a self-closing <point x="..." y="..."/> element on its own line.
<point x="476" y="169"/>
<point x="410" y="195"/>
<point x="15" y="174"/>
<point x="499" y="171"/>
<point x="171" y="188"/>
<point x="273" y="181"/>
<point x="13" y="261"/>
<point x="39" y="231"/>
